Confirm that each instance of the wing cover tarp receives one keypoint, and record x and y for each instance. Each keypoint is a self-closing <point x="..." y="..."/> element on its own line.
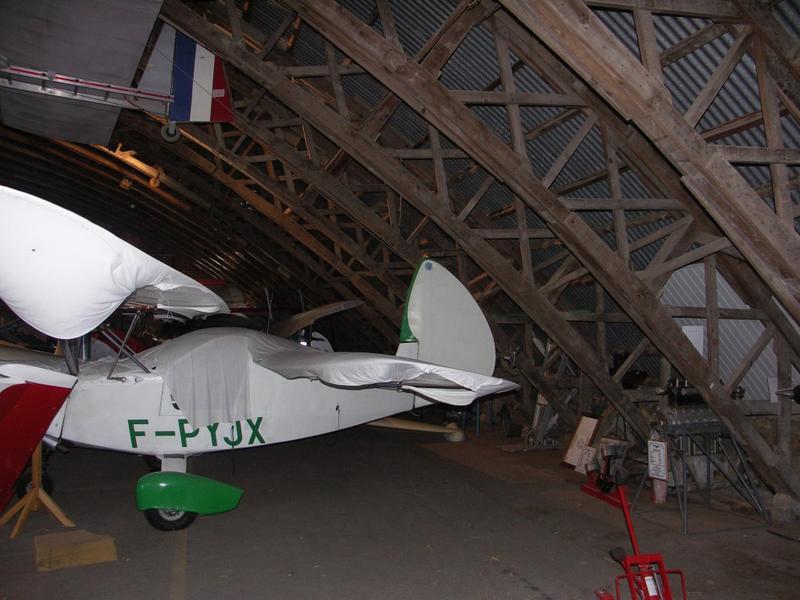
<point x="65" y="275"/>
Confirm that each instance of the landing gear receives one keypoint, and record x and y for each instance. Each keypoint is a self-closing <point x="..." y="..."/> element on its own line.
<point x="167" y="519"/>
<point x="171" y="499"/>
<point x="153" y="463"/>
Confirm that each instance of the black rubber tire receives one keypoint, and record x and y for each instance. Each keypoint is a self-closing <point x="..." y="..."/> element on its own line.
<point x="22" y="485"/>
<point x="169" y="520"/>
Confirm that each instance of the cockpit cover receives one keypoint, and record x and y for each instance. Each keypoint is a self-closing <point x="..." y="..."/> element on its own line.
<point x="64" y="275"/>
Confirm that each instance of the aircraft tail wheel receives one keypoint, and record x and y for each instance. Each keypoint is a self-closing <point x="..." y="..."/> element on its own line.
<point x="170" y="133"/>
<point x="167" y="519"/>
<point x="24" y="483"/>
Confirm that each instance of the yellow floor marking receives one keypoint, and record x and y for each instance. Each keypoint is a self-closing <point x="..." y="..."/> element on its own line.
<point x="177" y="582"/>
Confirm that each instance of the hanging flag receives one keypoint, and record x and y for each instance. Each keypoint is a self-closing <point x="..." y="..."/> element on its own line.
<point x="199" y="84"/>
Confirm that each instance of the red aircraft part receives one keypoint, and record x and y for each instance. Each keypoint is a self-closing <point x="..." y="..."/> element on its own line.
<point x="26" y="411"/>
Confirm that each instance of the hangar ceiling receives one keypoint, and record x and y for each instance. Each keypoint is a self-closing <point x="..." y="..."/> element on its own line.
<point x="563" y="158"/>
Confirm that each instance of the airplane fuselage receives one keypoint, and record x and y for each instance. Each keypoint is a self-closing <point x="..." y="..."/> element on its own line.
<point x="133" y="415"/>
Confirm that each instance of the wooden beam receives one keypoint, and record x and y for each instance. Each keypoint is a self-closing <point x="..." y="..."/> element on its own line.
<point x="713" y="9"/>
<point x="575" y="34"/>
<point x="488" y="98"/>
<point x="692" y="42"/>
<point x="718" y="78"/>
<point x="759" y="155"/>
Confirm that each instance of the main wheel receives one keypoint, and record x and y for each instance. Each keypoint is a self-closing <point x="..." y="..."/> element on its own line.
<point x="167" y="519"/>
<point x="23" y="484"/>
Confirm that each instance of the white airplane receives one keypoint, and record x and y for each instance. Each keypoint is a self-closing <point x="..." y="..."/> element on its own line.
<point x="212" y="389"/>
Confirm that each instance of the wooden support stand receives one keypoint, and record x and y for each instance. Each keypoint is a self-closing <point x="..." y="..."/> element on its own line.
<point x="34" y="499"/>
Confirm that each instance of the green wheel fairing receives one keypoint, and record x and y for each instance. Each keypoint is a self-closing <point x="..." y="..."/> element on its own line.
<point x="185" y="492"/>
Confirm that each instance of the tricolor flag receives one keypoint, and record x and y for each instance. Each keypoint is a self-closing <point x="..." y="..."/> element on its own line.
<point x="198" y="84"/>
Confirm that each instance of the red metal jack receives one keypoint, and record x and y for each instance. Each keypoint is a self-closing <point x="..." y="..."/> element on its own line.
<point x="646" y="575"/>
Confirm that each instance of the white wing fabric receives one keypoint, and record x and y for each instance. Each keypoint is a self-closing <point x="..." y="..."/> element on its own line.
<point x="206" y="372"/>
<point x="65" y="275"/>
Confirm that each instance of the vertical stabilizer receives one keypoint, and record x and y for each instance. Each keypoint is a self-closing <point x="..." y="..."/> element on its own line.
<point x="442" y="323"/>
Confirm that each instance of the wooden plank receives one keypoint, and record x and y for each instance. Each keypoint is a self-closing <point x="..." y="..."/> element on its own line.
<point x="490" y="98"/>
<point x="692" y="42"/>
<point x="568" y="150"/>
<point x="640" y="204"/>
<point x="712" y="315"/>
<point x="713" y="9"/>
<point x="748" y="359"/>
<point x="631" y="359"/>
<point x="276" y="36"/>
<point x="648" y="45"/>
<point x="476" y="197"/>
<point x="772" y="33"/>
<point x="600" y="326"/>
<point x="758" y="155"/>
<point x="309" y="71"/>
<point x="783" y="442"/>
<point x="439" y="175"/>
<point x="235" y="22"/>
<point x="615" y="186"/>
<point x="687" y="258"/>
<point x="387" y="21"/>
<point x="718" y="78"/>
<point x="70" y="549"/>
<point x="425" y="153"/>
<point x="513" y="234"/>
<point x="336" y="81"/>
<point x="518" y="143"/>
<point x="772" y="126"/>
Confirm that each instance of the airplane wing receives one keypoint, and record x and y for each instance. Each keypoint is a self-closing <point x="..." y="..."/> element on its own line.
<point x="65" y="275"/>
<point x="361" y="369"/>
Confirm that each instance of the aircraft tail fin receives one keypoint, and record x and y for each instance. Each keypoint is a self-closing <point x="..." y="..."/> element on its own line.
<point x="442" y="323"/>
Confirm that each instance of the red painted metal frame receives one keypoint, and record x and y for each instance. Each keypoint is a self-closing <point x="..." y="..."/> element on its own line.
<point x="643" y="572"/>
<point x="26" y="411"/>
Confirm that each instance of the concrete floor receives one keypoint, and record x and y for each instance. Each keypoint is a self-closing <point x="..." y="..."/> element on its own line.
<point x="389" y="515"/>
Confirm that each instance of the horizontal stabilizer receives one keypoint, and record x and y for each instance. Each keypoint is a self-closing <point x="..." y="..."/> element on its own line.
<point x="360" y="369"/>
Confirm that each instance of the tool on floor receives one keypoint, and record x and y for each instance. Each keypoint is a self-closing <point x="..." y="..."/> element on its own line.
<point x="645" y="574"/>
